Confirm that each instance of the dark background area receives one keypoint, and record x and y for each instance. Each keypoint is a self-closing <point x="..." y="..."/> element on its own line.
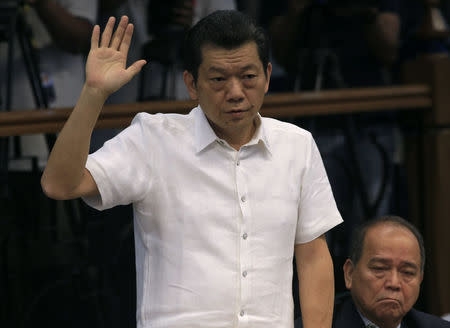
<point x="63" y="264"/>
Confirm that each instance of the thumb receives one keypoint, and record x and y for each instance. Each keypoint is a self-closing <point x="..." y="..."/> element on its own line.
<point x="136" y="67"/>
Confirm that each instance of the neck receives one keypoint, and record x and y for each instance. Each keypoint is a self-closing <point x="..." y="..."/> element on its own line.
<point x="390" y="324"/>
<point x="236" y="138"/>
<point x="384" y="322"/>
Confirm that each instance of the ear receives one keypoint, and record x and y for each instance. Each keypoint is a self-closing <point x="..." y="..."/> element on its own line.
<point x="421" y="277"/>
<point x="348" y="273"/>
<point x="190" y="85"/>
<point x="268" y="74"/>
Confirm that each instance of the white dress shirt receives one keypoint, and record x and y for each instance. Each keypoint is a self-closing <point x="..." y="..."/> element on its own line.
<point x="215" y="228"/>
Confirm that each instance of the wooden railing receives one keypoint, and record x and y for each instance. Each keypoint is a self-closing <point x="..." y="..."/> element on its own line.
<point x="427" y="186"/>
<point x="277" y="105"/>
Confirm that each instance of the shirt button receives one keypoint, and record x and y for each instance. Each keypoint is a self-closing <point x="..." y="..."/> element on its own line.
<point x="242" y="313"/>
<point x="244" y="274"/>
<point x="244" y="236"/>
<point x="238" y="163"/>
<point x="243" y="199"/>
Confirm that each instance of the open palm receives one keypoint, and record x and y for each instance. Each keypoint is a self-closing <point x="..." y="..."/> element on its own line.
<point x="106" y="68"/>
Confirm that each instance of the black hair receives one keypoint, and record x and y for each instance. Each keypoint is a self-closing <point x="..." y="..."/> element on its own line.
<point x="360" y="232"/>
<point x="228" y="29"/>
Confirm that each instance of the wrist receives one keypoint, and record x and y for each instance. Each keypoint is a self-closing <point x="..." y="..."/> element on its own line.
<point x="94" y="94"/>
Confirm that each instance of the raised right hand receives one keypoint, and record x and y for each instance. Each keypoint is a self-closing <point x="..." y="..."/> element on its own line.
<point x="106" y="69"/>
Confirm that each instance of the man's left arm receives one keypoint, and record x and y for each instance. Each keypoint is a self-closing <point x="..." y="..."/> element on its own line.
<point x="316" y="283"/>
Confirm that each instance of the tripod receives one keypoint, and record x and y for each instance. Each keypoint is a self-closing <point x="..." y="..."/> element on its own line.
<point x="318" y="68"/>
<point x="165" y="47"/>
<point x="14" y="26"/>
<point x="165" y="52"/>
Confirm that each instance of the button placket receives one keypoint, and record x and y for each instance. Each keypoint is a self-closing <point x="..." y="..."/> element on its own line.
<point x="245" y="222"/>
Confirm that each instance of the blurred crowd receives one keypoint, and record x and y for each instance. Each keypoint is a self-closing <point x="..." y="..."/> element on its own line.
<point x="316" y="45"/>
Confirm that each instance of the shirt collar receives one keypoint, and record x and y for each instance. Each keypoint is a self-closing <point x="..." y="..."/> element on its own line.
<point x="205" y="135"/>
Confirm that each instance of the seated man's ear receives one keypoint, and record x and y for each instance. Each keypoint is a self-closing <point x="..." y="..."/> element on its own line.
<point x="348" y="273"/>
<point x="268" y="74"/>
<point x="190" y="85"/>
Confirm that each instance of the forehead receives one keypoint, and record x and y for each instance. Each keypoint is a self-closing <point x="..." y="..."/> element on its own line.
<point x="245" y="56"/>
<point x="391" y="242"/>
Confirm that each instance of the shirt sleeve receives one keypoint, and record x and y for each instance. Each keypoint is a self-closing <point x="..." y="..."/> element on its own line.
<point x="318" y="212"/>
<point x="121" y="168"/>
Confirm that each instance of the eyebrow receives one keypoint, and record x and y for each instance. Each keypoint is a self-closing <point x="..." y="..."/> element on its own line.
<point x="386" y="261"/>
<point x="410" y="265"/>
<point x="214" y="69"/>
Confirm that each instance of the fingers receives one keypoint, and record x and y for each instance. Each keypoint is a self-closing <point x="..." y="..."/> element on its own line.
<point x="106" y="36"/>
<point x="115" y="41"/>
<point x="95" y="37"/>
<point x="125" y="45"/>
<point x="119" y="33"/>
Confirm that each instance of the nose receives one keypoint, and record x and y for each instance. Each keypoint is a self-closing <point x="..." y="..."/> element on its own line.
<point x="393" y="281"/>
<point x="235" y="90"/>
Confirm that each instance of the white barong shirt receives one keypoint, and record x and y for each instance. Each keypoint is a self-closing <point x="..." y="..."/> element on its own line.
<point x="215" y="228"/>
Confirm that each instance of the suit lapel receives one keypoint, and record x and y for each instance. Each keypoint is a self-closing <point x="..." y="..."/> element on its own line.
<point x="346" y="315"/>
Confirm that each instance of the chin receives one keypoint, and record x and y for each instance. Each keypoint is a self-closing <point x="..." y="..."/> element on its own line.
<point x="392" y="315"/>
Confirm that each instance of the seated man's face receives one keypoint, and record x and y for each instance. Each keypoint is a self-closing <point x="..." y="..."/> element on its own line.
<point x="385" y="283"/>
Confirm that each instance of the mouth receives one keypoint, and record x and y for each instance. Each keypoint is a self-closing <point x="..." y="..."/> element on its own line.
<point x="237" y="110"/>
<point x="389" y="300"/>
<point x="237" y="113"/>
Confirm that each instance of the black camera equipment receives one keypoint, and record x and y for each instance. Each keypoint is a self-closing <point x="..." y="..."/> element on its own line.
<point x="317" y="61"/>
<point x="13" y="26"/>
<point x="318" y="67"/>
<point x="165" y="46"/>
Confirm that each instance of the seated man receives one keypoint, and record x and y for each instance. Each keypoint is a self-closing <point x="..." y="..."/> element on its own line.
<point x="383" y="274"/>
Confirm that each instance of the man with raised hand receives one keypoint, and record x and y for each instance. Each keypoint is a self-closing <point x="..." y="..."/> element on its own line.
<point x="222" y="197"/>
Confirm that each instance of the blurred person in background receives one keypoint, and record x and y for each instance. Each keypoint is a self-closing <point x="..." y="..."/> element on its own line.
<point x="330" y="44"/>
<point x="159" y="29"/>
<point x="60" y="33"/>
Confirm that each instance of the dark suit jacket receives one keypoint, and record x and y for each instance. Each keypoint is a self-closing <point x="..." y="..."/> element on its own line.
<point x="346" y="316"/>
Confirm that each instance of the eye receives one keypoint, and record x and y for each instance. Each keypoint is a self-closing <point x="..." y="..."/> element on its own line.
<point x="379" y="268"/>
<point x="249" y="76"/>
<point x="409" y="273"/>
<point x="217" y="79"/>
